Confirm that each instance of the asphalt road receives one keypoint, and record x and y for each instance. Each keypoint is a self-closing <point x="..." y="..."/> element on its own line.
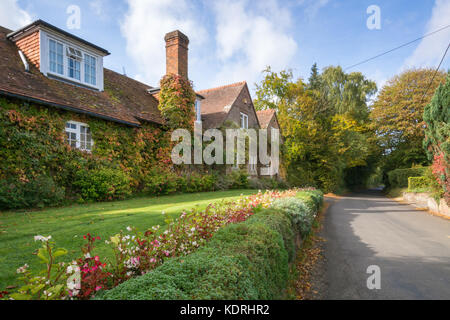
<point x="410" y="247"/>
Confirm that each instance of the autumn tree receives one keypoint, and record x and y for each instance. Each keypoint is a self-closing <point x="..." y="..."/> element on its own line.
<point x="324" y="122"/>
<point x="397" y="116"/>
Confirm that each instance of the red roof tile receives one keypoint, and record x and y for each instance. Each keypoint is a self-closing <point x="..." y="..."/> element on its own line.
<point x="124" y="100"/>
<point x="264" y="117"/>
<point x="218" y="102"/>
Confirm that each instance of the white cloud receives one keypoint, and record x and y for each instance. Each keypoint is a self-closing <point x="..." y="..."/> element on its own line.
<point x="12" y="16"/>
<point x="251" y="36"/>
<point x="144" y="27"/>
<point x="430" y="50"/>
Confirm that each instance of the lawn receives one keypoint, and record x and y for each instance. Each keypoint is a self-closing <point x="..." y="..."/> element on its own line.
<point x="68" y="225"/>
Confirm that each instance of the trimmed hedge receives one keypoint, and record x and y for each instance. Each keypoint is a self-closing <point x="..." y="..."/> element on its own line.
<point x="419" y="184"/>
<point x="399" y="178"/>
<point x="248" y="260"/>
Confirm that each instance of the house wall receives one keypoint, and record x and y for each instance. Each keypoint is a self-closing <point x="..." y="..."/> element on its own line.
<point x="29" y="45"/>
<point x="33" y="144"/>
<point x="243" y="104"/>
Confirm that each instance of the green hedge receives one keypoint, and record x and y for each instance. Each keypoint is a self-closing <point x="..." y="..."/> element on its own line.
<point x="248" y="260"/>
<point x="419" y="184"/>
<point x="399" y="178"/>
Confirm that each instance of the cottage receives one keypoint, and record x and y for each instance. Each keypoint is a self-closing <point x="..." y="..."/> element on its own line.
<point x="44" y="66"/>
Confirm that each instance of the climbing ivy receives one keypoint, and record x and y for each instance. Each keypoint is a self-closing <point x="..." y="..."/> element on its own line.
<point x="33" y="148"/>
<point x="177" y="102"/>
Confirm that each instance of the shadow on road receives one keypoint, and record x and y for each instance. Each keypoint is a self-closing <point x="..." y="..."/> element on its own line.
<point x="411" y="248"/>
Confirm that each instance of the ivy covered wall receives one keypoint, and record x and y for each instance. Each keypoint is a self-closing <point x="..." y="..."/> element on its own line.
<point x="33" y="151"/>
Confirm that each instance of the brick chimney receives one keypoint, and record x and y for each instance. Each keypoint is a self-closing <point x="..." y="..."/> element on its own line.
<point x="177" y="53"/>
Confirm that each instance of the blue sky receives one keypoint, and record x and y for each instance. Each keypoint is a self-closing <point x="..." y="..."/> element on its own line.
<point x="233" y="40"/>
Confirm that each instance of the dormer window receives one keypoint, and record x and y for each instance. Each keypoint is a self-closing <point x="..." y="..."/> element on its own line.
<point x="73" y="63"/>
<point x="79" y="67"/>
<point x="60" y="55"/>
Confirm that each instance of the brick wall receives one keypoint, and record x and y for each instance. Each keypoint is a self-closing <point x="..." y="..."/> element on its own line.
<point x="243" y="104"/>
<point x="30" y="47"/>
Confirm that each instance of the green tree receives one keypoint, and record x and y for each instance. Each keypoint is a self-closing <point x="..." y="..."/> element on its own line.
<point x="437" y="135"/>
<point x="321" y="137"/>
<point x="397" y="116"/>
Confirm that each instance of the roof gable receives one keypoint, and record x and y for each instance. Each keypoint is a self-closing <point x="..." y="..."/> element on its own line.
<point x="265" y="116"/>
<point x="218" y="102"/>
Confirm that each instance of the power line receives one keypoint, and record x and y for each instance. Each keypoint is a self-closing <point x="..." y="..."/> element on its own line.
<point x="434" y="75"/>
<point x="399" y="47"/>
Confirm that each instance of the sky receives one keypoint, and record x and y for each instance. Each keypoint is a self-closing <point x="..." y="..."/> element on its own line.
<point x="235" y="40"/>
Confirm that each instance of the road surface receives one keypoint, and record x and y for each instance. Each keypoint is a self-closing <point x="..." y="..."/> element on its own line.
<point x="410" y="247"/>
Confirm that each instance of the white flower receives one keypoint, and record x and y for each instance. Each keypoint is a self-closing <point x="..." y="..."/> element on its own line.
<point x="22" y="269"/>
<point x="129" y="228"/>
<point x="163" y="213"/>
<point x="41" y="238"/>
<point x="87" y="256"/>
<point x="193" y="229"/>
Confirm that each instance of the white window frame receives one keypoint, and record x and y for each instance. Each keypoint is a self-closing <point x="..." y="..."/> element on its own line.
<point x="77" y="131"/>
<point x="65" y="75"/>
<point x="243" y="120"/>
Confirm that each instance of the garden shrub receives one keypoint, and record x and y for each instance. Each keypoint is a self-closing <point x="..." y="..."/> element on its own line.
<point x="102" y="184"/>
<point x="418" y="184"/>
<point x="162" y="183"/>
<point x="38" y="192"/>
<point x="267" y="183"/>
<point x="301" y="214"/>
<point x="398" y="178"/>
<point x="247" y="260"/>
<point x="242" y="261"/>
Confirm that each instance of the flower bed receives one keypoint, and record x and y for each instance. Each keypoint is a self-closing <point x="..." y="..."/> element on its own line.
<point x="248" y="260"/>
<point x="135" y="253"/>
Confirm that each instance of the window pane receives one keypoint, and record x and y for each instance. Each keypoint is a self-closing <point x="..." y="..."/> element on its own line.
<point x="90" y="69"/>
<point x="56" y="56"/>
<point x="67" y="125"/>
<point x="74" y="68"/>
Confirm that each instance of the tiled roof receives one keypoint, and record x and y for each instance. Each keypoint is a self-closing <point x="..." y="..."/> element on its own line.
<point x="218" y="102"/>
<point x="264" y="117"/>
<point x="124" y="100"/>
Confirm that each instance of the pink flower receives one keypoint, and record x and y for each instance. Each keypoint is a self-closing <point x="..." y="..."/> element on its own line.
<point x="98" y="288"/>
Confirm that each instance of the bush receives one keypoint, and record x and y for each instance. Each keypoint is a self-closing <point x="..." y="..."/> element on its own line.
<point x="266" y="183"/>
<point x="163" y="183"/>
<point x="399" y="178"/>
<point x="102" y="184"/>
<point x="39" y="192"/>
<point x="242" y="261"/>
<point x="418" y="184"/>
<point x="237" y="179"/>
<point x="300" y="212"/>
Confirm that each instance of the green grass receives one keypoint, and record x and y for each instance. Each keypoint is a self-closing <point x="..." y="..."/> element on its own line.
<point x="68" y="225"/>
